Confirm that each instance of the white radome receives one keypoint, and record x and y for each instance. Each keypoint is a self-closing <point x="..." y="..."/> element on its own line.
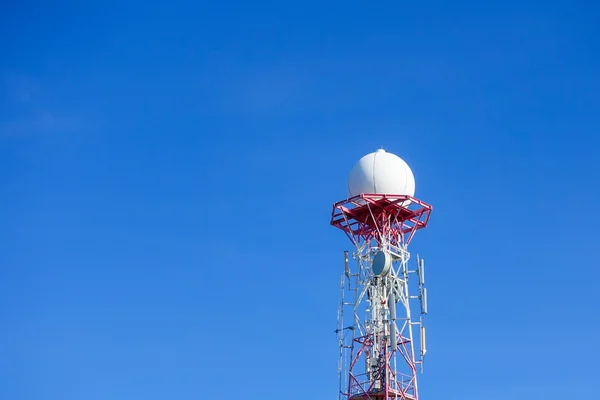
<point x="381" y="173"/>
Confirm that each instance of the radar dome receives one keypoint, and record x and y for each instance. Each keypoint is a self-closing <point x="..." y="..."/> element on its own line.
<point x="381" y="173"/>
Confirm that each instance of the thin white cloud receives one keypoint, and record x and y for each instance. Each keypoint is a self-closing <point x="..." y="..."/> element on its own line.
<point x="41" y="122"/>
<point x="20" y="88"/>
<point x="31" y="115"/>
<point x="322" y="85"/>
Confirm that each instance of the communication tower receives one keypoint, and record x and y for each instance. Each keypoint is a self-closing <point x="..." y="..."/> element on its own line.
<point x="383" y="296"/>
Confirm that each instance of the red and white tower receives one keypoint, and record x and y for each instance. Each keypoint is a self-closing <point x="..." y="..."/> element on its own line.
<point x="383" y="297"/>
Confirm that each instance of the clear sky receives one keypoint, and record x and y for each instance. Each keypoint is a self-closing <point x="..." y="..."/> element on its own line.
<point x="167" y="172"/>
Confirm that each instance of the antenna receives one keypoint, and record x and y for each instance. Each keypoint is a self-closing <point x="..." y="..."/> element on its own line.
<point x="392" y="307"/>
<point x="346" y="269"/>
<point x="422" y="288"/>
<point x="423" y="344"/>
<point x="423" y="302"/>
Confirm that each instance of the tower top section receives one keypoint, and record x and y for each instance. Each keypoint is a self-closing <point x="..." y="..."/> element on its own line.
<point x="381" y="206"/>
<point x="381" y="172"/>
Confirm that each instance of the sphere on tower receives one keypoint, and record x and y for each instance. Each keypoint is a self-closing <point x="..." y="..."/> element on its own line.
<point x="381" y="173"/>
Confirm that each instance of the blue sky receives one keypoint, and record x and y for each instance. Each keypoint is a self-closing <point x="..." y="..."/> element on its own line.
<point x="167" y="172"/>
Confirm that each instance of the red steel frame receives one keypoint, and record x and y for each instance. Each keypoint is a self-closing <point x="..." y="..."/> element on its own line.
<point x="369" y="217"/>
<point x="400" y="386"/>
<point x="384" y="218"/>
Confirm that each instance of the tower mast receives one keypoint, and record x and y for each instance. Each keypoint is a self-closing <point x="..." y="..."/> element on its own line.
<point x="379" y="354"/>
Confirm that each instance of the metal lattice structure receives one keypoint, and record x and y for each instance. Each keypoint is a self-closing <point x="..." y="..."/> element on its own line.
<point x="377" y="345"/>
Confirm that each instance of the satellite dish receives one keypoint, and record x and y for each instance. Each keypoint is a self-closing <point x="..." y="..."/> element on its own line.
<point x="382" y="263"/>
